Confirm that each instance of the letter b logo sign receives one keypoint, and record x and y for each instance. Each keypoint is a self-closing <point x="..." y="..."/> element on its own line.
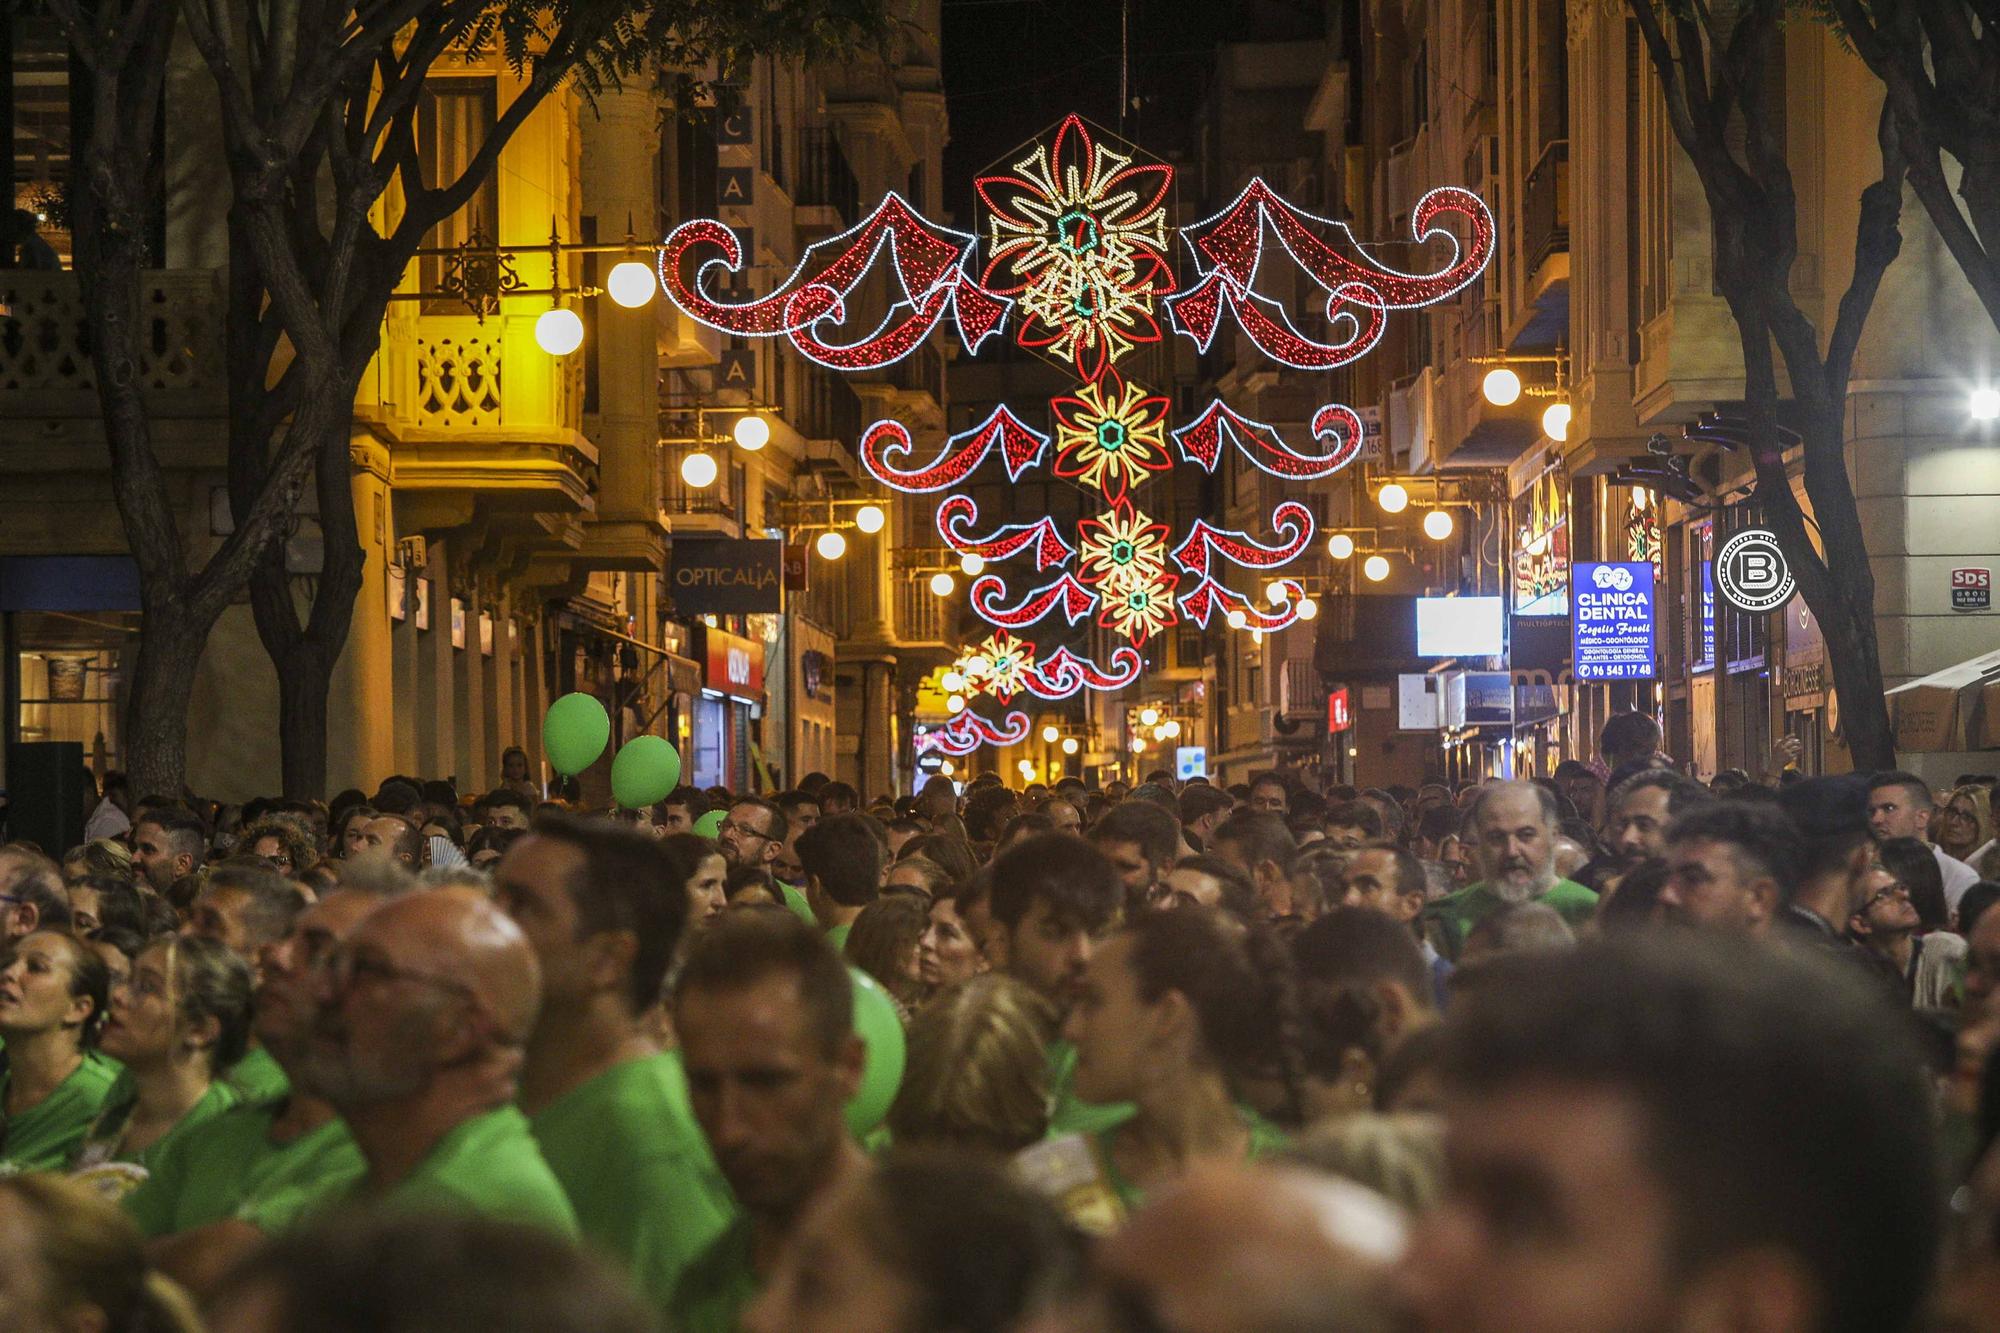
<point x="1751" y="573"/>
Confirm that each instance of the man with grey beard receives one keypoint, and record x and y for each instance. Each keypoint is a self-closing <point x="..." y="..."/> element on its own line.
<point x="1512" y="828"/>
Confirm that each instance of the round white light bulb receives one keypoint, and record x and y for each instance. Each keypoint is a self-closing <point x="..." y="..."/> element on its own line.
<point x="1069" y="745"/>
<point x="1393" y="498"/>
<point x="1277" y="591"/>
<point x="831" y="546"/>
<point x="1555" y="421"/>
<point x="559" y="331"/>
<point x="1501" y="386"/>
<point x="631" y="284"/>
<point x="972" y="564"/>
<point x="955" y="704"/>
<point x="1149" y="717"/>
<point x="978" y="665"/>
<point x="751" y="432"/>
<point x="698" y="469"/>
<point x="1050" y="734"/>
<point x="1376" y="568"/>
<point x="952" y="682"/>
<point x="1437" y="524"/>
<point x="1138" y="745"/>
<point x="870" y="518"/>
<point x="1340" y="546"/>
<point x="941" y="584"/>
<point x="1237" y="619"/>
<point x="947" y="768"/>
<point x="1308" y="608"/>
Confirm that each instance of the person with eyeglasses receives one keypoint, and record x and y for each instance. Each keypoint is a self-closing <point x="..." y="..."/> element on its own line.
<point x="753" y="836"/>
<point x="424" y="1013"/>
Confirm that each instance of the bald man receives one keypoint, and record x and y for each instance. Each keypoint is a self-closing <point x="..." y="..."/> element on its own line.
<point x="1247" y="1249"/>
<point x="424" y="1011"/>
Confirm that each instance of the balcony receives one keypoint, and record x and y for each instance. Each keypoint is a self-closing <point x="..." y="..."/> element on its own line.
<point x="45" y="366"/>
<point x="1543" y="319"/>
<point x="477" y="412"/>
<point x="827" y="194"/>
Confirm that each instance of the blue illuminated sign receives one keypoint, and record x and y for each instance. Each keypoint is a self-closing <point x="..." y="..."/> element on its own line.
<point x="1611" y="621"/>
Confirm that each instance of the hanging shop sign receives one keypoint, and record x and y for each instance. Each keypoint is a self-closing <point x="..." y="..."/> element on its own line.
<point x="1541" y="545"/>
<point x="1190" y="761"/>
<point x="1751" y="573"/>
<point x="726" y="576"/>
<point x="1611" y="620"/>
<point x="732" y="665"/>
<point x="1338" y="716"/>
<point x="1972" y="590"/>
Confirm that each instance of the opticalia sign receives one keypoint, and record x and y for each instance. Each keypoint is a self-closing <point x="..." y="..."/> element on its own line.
<point x="1611" y="621"/>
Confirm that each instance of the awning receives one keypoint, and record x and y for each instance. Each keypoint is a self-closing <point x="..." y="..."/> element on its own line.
<point x="1951" y="710"/>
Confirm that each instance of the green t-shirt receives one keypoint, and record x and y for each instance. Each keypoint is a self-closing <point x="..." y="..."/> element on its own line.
<point x="837" y="937"/>
<point x="1266" y="1140"/>
<point x="627" y="1150"/>
<point x="258" y="1079"/>
<point x="102" y="1163"/>
<point x="46" y="1135"/>
<point x="230" y="1167"/>
<point x="718" y="1286"/>
<point x="797" y="902"/>
<point x="1455" y="914"/>
<point x="488" y="1165"/>
<point x="1067" y="1115"/>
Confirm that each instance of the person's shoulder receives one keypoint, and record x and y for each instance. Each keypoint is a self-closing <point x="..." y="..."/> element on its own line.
<point x="717" y="1283"/>
<point x="1568" y="891"/>
<point x="1459" y="901"/>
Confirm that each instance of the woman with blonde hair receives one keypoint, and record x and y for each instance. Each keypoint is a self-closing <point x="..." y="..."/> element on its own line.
<point x="1962" y="828"/>
<point x="976" y="1075"/>
<point x="76" y="1261"/>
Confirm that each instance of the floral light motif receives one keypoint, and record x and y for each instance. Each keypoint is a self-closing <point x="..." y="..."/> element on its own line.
<point x="1079" y="235"/>
<point x="1124" y="556"/>
<point x="1110" y="435"/>
<point x="1000" y="666"/>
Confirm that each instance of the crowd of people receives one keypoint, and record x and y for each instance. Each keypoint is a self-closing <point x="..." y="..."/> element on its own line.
<point x="1612" y="1051"/>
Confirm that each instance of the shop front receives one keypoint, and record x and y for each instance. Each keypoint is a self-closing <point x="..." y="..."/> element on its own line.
<point x="726" y="715"/>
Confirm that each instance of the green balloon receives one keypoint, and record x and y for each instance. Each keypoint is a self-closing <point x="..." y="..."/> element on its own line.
<point x="575" y="732"/>
<point x="645" y="770"/>
<point x="709" y="825"/>
<point x="881" y="1031"/>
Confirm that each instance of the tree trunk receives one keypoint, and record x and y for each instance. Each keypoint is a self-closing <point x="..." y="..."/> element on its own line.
<point x="170" y="646"/>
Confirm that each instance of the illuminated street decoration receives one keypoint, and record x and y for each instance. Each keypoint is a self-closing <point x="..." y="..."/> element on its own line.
<point x="1077" y="246"/>
<point x="968" y="730"/>
<point x="1110" y="435"/>
<point x="1360" y="290"/>
<point x="930" y="264"/>
<point x="1078" y="234"/>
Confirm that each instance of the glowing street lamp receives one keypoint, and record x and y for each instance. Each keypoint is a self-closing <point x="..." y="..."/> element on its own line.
<point x="870" y="518"/>
<point x="559" y="331"/>
<point x="698" y="469"/>
<point x="1049" y="734"/>
<point x="831" y="545"/>
<point x="1501" y="387"/>
<point x="631" y="284"/>
<point x="1149" y="717"/>
<point x="1376" y="568"/>
<point x="751" y="432"/>
<point x="1555" y="421"/>
<point x="1437" y="524"/>
<point x="972" y="564"/>
<point x="1984" y="404"/>
<point x="941" y="584"/>
<point x="1340" y="546"/>
<point x="1069" y="745"/>
<point x="1393" y="498"/>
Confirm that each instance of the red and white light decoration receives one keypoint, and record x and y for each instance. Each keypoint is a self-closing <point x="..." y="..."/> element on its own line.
<point x="1077" y="244"/>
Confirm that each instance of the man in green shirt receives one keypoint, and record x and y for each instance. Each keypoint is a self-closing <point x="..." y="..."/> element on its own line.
<point x="246" y="1162"/>
<point x="248" y="910"/>
<point x="424" y="1013"/>
<point x="1513" y="830"/>
<point x="842" y="858"/>
<point x="765" y="1013"/>
<point x="1054" y="896"/>
<point x="604" y="909"/>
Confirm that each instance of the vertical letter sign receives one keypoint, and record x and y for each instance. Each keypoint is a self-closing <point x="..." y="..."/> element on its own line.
<point x="1611" y="620"/>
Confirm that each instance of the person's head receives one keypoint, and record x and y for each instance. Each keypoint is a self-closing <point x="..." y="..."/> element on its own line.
<point x="1584" y="789"/>
<point x="283" y="841"/>
<point x="884" y="940"/>
<point x="1242" y="1248"/>
<point x="51" y="982"/>
<point x="1174" y="992"/>
<point x="922" y="1241"/>
<point x="1982" y="970"/>
<point x="842" y="861"/>
<point x="391" y="1271"/>
<point x="1363" y="986"/>
<point x="168" y="844"/>
<point x="398" y="796"/>
<point x="1271" y="795"/>
<point x="286" y="1006"/>
<point x="917" y="875"/>
<point x="1513" y="827"/>
<point x="1062" y="812"/>
<point x="1202" y="807"/>
<point x="838" y="798"/>
<point x="1385" y="879"/>
<point x="1261" y="847"/>
<point x="1899" y="806"/>
<point x="1141" y="840"/>
<point x="938" y="798"/>
<point x="603" y="908"/>
<point x="706" y="878"/>
<point x="1456" y="859"/>
<point x="1628" y="738"/>
<point x="1351" y="824"/>
<point x="976" y="1072"/>
<point x="765" y="1015"/>
<point x="396" y="837"/>
<point x="1510" y="928"/>
<point x="506" y="809"/>
<point x="1053" y="896"/>
<point x="1963" y="821"/>
<point x="801" y="810"/>
<point x="1731" y="865"/>
<point x="952" y="853"/>
<point x="679" y="809"/>
<point x="900" y="831"/>
<point x="434" y="991"/>
<point x="100" y="856"/>
<point x="72" y="1261"/>
<point x="1208" y="881"/>
<point x="245" y="908"/>
<point x="1628" y="1152"/>
<point x="751" y="886"/>
<point x="753" y="833"/>
<point x="987" y="812"/>
<point x="1640" y="809"/>
<point x="1915" y="870"/>
<point x="949" y="951"/>
<point x="34" y="896"/>
<point x="185" y="1004"/>
<point x="346" y="839"/>
<point x="513" y="764"/>
<point x="1024" y="826"/>
<point x="1832" y="817"/>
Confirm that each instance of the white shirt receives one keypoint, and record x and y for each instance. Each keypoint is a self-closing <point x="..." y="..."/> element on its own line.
<point x="1958" y="876"/>
<point x="106" y="821"/>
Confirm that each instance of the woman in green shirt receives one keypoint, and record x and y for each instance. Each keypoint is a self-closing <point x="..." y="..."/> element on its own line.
<point x="1178" y="1011"/>
<point x="180" y="1018"/>
<point x="52" y="992"/>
